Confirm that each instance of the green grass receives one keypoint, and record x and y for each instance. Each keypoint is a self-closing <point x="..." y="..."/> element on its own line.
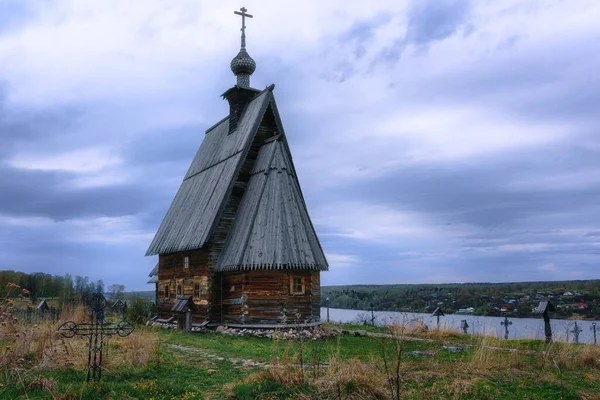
<point x="179" y="375"/>
<point x="264" y="349"/>
<point x="477" y="373"/>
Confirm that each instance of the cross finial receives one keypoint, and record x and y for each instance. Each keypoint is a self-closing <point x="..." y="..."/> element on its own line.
<point x="244" y="15"/>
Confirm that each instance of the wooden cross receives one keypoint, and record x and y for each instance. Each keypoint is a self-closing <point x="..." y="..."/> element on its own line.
<point x="96" y="332"/>
<point x="576" y="331"/>
<point x="464" y="325"/>
<point x="506" y="323"/>
<point x="244" y="15"/>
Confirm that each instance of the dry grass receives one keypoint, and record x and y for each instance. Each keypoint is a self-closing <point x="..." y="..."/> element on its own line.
<point x="485" y="356"/>
<point x="348" y="379"/>
<point x="352" y="379"/>
<point x="27" y="347"/>
<point x="74" y="312"/>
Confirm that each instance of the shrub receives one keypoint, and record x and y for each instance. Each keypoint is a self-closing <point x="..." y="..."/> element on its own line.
<point x="139" y="310"/>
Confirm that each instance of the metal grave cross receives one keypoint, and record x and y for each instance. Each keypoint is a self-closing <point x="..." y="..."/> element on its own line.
<point x="244" y="15"/>
<point x="506" y="323"/>
<point x="593" y="329"/>
<point x="576" y="331"/>
<point x="97" y="330"/>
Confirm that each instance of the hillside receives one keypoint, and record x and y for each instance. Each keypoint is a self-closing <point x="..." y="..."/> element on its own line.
<point x="573" y="298"/>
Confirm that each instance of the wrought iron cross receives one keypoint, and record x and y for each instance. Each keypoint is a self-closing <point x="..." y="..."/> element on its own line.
<point x="576" y="331"/>
<point x="244" y="15"/>
<point x="506" y="323"/>
<point x="97" y="330"/>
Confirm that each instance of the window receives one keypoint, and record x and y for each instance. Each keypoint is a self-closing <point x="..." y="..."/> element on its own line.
<point x="186" y="262"/>
<point x="179" y="290"/>
<point x="197" y="290"/>
<point x="166" y="291"/>
<point x="297" y="285"/>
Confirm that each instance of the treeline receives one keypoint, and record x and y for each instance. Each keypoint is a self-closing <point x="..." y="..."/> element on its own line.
<point x="485" y="298"/>
<point x="40" y="285"/>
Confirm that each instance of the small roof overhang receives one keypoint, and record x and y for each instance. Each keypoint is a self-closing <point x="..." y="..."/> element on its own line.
<point x="184" y="304"/>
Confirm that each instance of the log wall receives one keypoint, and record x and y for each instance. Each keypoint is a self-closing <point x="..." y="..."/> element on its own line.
<point x="171" y="272"/>
<point x="265" y="297"/>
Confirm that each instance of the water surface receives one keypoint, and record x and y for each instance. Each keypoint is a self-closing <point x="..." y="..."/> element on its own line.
<point x="521" y="328"/>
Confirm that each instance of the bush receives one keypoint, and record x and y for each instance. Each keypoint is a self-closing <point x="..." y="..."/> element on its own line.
<point x="139" y="310"/>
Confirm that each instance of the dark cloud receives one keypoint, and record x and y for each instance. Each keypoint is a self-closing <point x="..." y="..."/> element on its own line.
<point x="46" y="194"/>
<point x="30" y="192"/>
<point x="510" y="212"/>
<point x="494" y="191"/>
<point x="362" y="31"/>
<point x="429" y="21"/>
<point x="433" y="20"/>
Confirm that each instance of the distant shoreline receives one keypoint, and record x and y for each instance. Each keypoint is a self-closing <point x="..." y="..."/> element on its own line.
<point x="570" y="318"/>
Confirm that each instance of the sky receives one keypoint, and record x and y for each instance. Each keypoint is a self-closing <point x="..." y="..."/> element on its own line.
<point x="435" y="141"/>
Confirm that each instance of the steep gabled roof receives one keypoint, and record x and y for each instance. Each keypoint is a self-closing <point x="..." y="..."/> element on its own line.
<point x="195" y="210"/>
<point x="272" y="229"/>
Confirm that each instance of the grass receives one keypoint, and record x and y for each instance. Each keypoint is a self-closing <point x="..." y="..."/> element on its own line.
<point x="261" y="349"/>
<point x="166" y="364"/>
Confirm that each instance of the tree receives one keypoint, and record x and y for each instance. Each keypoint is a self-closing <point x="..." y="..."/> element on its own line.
<point x="99" y="287"/>
<point x="116" y="291"/>
<point x="67" y="291"/>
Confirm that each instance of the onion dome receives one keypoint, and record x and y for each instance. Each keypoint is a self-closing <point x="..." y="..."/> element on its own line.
<point x="243" y="66"/>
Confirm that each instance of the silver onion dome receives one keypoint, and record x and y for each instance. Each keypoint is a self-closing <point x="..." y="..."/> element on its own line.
<point x="243" y="66"/>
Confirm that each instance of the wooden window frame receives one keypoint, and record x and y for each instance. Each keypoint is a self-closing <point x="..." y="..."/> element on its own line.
<point x="293" y="285"/>
<point x="186" y="262"/>
<point x="197" y="285"/>
<point x="167" y="291"/>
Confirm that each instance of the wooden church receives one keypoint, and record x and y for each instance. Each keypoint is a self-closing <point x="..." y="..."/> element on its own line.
<point x="237" y="244"/>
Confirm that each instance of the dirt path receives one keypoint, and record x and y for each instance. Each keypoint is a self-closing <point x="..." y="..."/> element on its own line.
<point x="250" y="363"/>
<point x="238" y="362"/>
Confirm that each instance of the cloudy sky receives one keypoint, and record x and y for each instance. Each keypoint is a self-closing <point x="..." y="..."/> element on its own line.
<point x="435" y="141"/>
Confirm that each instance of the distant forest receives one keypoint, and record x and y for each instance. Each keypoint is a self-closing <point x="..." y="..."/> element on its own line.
<point x="579" y="299"/>
<point x="64" y="288"/>
<point x="573" y="298"/>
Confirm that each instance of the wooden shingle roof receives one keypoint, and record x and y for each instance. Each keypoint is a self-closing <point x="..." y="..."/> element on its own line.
<point x="193" y="214"/>
<point x="272" y="228"/>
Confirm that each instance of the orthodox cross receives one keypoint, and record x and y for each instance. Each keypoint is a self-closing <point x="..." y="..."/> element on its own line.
<point x="593" y="329"/>
<point x="96" y="331"/>
<point x="576" y="331"/>
<point x="244" y="15"/>
<point x="506" y="323"/>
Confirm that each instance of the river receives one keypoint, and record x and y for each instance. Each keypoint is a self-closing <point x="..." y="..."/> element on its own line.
<point x="521" y="328"/>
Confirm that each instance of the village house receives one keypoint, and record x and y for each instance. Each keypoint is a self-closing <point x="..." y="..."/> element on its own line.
<point x="237" y="246"/>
